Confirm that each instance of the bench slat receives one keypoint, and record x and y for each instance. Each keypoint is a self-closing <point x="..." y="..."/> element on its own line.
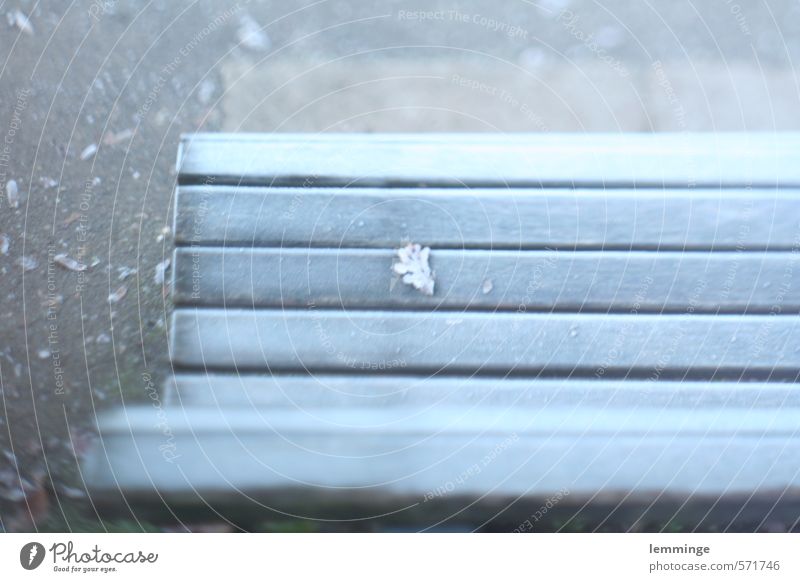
<point x="490" y="280"/>
<point x="498" y="219"/>
<point x="746" y="346"/>
<point x="379" y="391"/>
<point x="598" y="160"/>
<point x="232" y="453"/>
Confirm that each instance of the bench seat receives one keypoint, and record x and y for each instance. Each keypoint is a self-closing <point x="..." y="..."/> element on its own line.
<point x="614" y="316"/>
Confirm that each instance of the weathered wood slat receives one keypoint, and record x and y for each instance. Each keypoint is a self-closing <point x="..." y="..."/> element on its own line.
<point x="726" y="282"/>
<point x="736" y="219"/>
<point x="734" y="159"/>
<point x="363" y="451"/>
<point x="746" y="346"/>
<point x="379" y="391"/>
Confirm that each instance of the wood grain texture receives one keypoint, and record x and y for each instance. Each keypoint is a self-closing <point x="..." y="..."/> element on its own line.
<point x="598" y="160"/>
<point x="724" y="282"/>
<point x="700" y="346"/>
<point x="735" y="219"/>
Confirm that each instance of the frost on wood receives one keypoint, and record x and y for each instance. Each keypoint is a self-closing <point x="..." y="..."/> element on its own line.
<point x="414" y="267"/>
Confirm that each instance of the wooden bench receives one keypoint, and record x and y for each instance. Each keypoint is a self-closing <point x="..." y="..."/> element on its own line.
<point x="614" y="319"/>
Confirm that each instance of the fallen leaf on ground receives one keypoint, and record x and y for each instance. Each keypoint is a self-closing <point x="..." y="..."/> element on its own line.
<point x="69" y="263"/>
<point x="161" y="270"/>
<point x="118" y="295"/>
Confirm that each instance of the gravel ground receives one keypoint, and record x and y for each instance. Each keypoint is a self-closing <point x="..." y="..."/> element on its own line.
<point x="94" y="95"/>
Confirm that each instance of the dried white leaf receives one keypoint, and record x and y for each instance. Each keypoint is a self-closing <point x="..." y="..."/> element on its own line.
<point x="27" y="263"/>
<point x="21" y="21"/>
<point x="118" y="295"/>
<point x="206" y="91"/>
<point x="89" y="151"/>
<point x="69" y="263"/>
<point x="125" y="272"/>
<point x="71" y="492"/>
<point x="487" y="286"/>
<point x="4" y="244"/>
<point x="112" y="138"/>
<point x="414" y="266"/>
<point x="163" y="234"/>
<point x="161" y="270"/>
<point x="48" y="182"/>
<point x="251" y="35"/>
<point x="12" y="193"/>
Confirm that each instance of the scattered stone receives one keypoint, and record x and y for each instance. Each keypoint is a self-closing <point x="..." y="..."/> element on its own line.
<point x="487" y="286"/>
<point x="43" y="354"/>
<point x="5" y="242"/>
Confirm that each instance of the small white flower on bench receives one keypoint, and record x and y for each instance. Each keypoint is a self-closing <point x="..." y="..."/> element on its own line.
<point x="414" y="267"/>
